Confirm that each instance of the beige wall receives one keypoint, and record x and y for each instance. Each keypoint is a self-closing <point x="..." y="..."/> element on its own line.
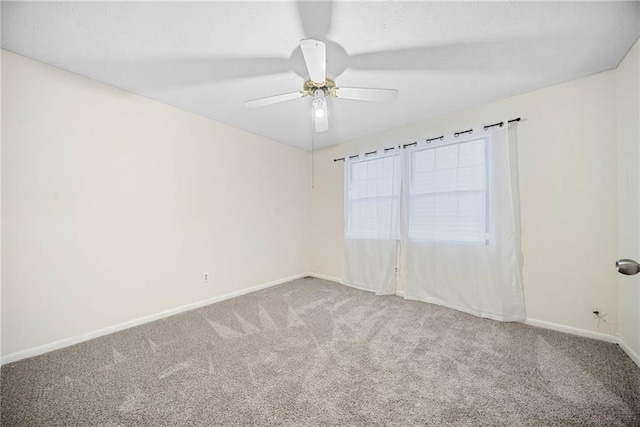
<point x="628" y="128"/>
<point x="567" y="160"/>
<point x="114" y="206"/>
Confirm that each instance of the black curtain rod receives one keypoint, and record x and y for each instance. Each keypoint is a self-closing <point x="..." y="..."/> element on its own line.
<point x="457" y="134"/>
<point x="428" y="140"/>
<point x="517" y="119"/>
<point x="366" y="154"/>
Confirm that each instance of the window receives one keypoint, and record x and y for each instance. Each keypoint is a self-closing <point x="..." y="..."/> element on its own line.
<point x="448" y="193"/>
<point x="373" y="198"/>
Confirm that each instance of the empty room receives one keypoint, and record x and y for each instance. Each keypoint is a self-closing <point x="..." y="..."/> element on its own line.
<point x="320" y="213"/>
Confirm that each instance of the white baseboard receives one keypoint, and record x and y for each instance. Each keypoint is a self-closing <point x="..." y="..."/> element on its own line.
<point x="632" y="354"/>
<point x="325" y="277"/>
<point x="35" y="351"/>
<point x="571" y="330"/>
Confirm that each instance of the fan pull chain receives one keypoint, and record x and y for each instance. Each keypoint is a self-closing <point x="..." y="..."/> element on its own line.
<point x="313" y="175"/>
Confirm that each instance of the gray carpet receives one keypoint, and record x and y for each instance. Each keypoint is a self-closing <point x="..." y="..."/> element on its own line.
<point x="311" y="353"/>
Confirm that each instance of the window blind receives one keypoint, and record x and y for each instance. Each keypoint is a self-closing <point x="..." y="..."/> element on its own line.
<point x="373" y="198"/>
<point x="448" y="193"/>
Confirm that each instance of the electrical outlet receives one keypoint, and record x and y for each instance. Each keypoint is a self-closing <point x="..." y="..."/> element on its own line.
<point x="205" y="277"/>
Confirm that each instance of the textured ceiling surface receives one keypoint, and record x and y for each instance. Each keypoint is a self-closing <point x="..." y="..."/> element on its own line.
<point x="209" y="57"/>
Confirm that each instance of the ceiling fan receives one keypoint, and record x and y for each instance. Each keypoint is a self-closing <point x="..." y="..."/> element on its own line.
<point x="319" y="86"/>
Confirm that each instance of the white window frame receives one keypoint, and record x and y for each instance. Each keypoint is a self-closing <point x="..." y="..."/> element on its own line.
<point x="394" y="199"/>
<point x="410" y="195"/>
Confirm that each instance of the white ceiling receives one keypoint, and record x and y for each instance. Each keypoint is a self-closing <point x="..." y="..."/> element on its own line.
<point x="209" y="57"/>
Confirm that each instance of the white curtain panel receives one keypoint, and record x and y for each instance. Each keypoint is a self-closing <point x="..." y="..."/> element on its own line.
<point x="372" y="216"/>
<point x="461" y="237"/>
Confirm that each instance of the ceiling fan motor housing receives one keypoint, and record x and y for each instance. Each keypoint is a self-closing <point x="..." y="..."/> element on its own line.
<point x="328" y="87"/>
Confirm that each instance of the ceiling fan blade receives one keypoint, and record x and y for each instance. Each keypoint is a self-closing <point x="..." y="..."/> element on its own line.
<point x="167" y="72"/>
<point x="315" y="56"/>
<point x="485" y="56"/>
<point x="261" y="102"/>
<point x="366" y="94"/>
<point x="315" y="17"/>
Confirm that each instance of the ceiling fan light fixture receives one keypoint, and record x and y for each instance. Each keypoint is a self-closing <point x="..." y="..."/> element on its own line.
<point x="319" y="106"/>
